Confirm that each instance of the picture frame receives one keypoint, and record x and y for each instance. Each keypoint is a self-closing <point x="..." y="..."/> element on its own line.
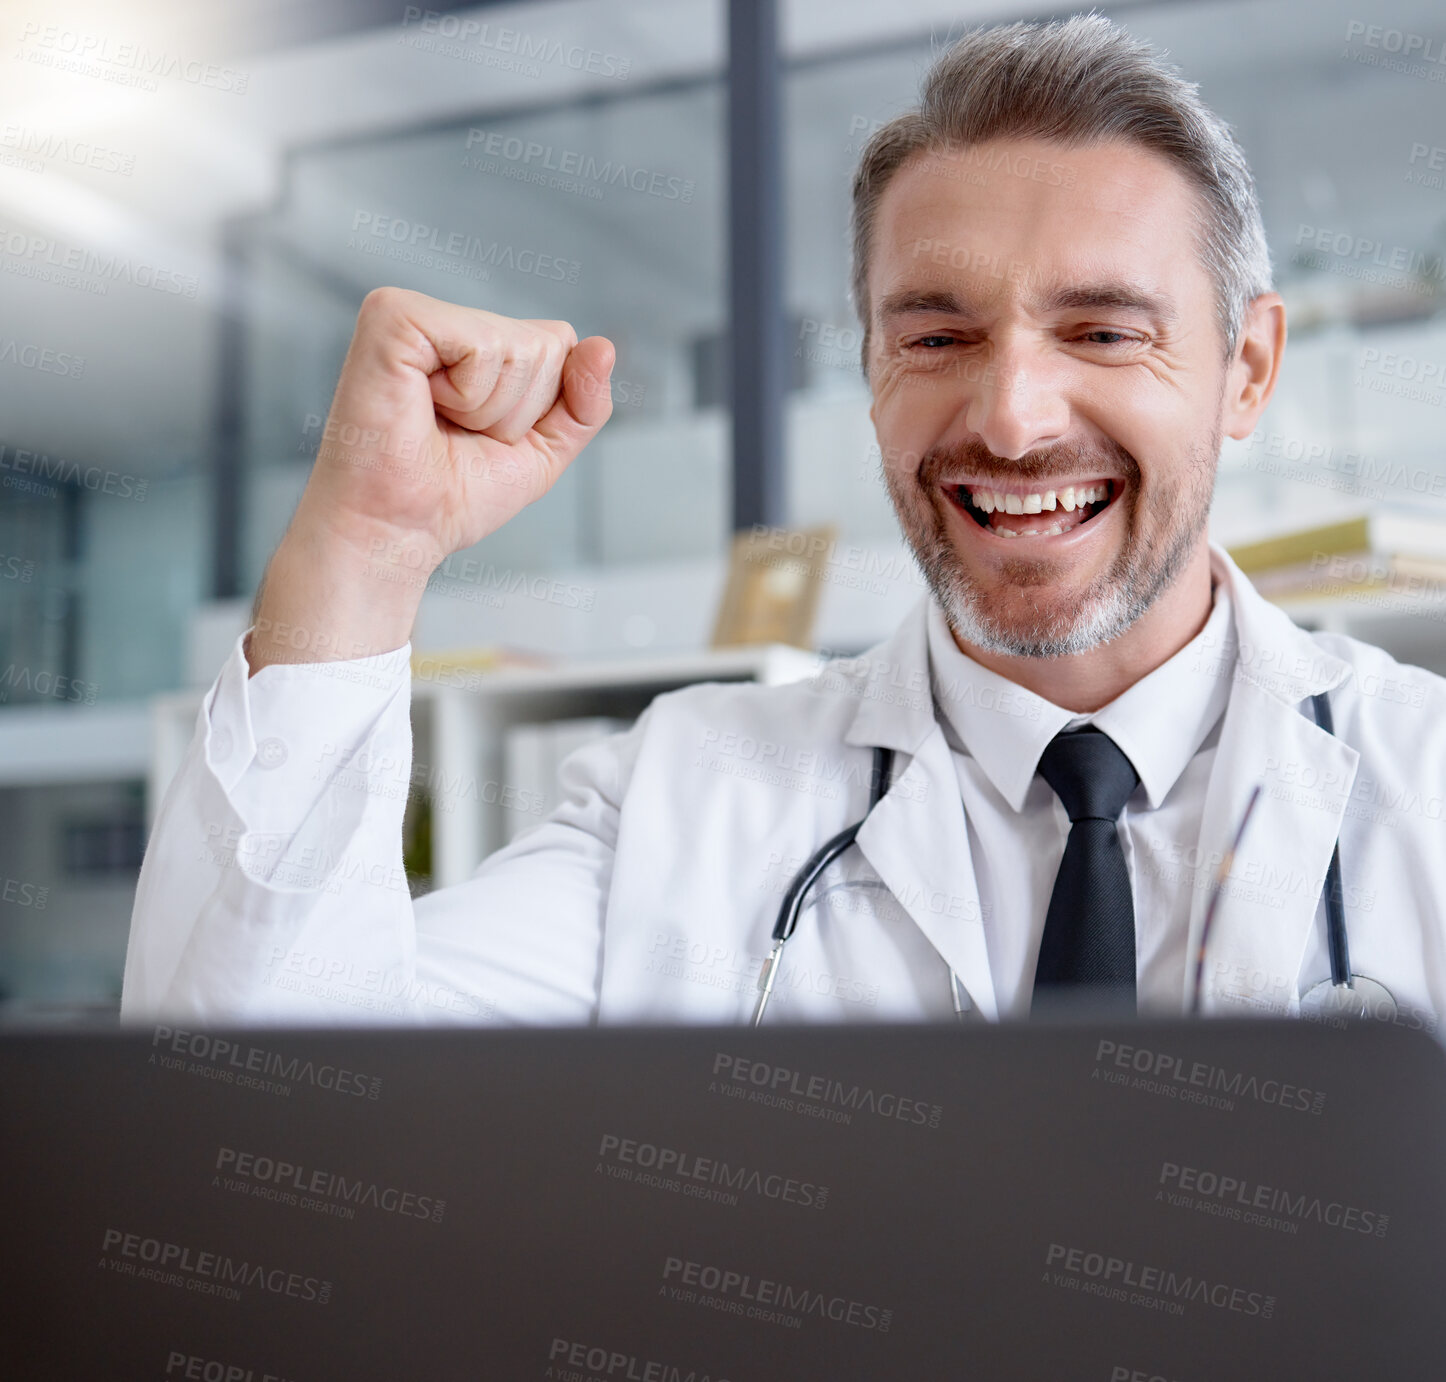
<point x="775" y="577"/>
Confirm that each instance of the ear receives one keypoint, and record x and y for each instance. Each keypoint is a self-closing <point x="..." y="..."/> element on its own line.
<point x="1251" y="375"/>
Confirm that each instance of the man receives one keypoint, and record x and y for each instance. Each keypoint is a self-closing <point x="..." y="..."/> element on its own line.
<point x="1065" y="288"/>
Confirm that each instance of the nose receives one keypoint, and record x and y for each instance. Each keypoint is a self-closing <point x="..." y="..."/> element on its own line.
<point x="1017" y="404"/>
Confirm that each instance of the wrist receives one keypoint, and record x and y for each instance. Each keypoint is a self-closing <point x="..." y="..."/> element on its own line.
<point x="328" y="596"/>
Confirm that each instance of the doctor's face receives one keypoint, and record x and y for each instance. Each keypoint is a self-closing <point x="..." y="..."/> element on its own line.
<point x="1048" y="373"/>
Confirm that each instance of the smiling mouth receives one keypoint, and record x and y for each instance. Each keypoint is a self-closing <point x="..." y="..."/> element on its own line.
<point x="1039" y="513"/>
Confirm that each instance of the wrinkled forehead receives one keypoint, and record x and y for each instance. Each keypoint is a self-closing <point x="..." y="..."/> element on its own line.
<point x="1040" y="225"/>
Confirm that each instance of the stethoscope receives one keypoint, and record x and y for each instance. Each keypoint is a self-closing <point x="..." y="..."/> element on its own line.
<point x="1344" y="994"/>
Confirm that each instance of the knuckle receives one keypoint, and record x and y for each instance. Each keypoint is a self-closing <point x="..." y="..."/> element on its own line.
<point x="527" y="354"/>
<point x="381" y="302"/>
<point x="480" y="361"/>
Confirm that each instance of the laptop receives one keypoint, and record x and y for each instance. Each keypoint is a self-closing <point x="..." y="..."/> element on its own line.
<point x="1122" y="1202"/>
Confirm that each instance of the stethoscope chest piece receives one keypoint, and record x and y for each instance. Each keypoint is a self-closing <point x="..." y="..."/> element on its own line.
<point x="1361" y="997"/>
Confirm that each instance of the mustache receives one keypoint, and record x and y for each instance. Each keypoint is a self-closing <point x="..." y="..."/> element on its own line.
<point x="1063" y="461"/>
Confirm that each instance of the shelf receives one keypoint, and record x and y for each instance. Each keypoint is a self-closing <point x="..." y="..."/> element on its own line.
<point x="42" y="744"/>
<point x="1338" y="615"/>
<point x="769" y="663"/>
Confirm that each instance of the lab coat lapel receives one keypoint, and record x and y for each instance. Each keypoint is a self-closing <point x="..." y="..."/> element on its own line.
<point x="915" y="839"/>
<point x="918" y="844"/>
<point x="1264" y="918"/>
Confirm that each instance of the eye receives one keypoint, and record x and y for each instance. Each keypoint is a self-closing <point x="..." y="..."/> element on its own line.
<point x="1104" y="336"/>
<point x="934" y="342"/>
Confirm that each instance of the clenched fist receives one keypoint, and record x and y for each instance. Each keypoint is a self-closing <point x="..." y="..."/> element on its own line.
<point x="446" y="421"/>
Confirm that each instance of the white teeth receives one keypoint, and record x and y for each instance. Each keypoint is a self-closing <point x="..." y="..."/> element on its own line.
<point x="1070" y="498"/>
<point x="1053" y="530"/>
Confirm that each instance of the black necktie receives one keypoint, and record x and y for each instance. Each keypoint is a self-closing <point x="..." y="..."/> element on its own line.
<point x="1088" y="949"/>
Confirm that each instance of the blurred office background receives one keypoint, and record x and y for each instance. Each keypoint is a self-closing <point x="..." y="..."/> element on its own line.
<point x="195" y="198"/>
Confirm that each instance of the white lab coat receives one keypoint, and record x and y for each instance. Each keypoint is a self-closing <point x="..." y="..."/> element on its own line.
<point x="650" y="893"/>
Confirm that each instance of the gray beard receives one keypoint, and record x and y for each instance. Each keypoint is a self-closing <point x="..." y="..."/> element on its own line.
<point x="1142" y="571"/>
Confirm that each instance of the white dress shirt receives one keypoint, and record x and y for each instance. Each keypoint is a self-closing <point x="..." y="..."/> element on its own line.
<point x="1167" y="725"/>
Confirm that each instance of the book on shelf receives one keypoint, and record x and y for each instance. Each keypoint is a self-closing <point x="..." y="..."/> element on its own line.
<point x="1383" y="553"/>
<point x="1353" y="577"/>
<point x="1382" y="533"/>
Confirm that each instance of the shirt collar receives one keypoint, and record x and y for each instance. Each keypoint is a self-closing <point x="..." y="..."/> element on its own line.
<point x="1159" y="722"/>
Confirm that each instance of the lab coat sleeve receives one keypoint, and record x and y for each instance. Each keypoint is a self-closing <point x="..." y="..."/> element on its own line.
<point x="273" y="888"/>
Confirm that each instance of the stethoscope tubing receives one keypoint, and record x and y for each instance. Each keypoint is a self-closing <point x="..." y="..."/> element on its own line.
<point x="1337" y="943"/>
<point x="805" y="878"/>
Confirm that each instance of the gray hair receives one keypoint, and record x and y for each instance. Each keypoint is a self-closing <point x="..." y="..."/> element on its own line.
<point x="1076" y="81"/>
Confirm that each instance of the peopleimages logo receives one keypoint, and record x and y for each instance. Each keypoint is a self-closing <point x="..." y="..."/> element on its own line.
<point x="39" y="463"/>
<point x="373" y="232"/>
<point x="1262" y="1206"/>
<point x="41" y="257"/>
<point x="122" y="61"/>
<point x="571" y="164"/>
<point x="61" y="148"/>
<point x="778" y="1082"/>
<point x="504" y="41"/>
<point x="328" y="1192"/>
<point x="196" y="1367"/>
<point x="733" y="1289"/>
<point x="595" y="1361"/>
<point x="1160" y="1072"/>
<point x="669" y="1168"/>
<point x="43" y="359"/>
<point x="228" y="1061"/>
<point x="1116" y="1278"/>
<point x="208" y="1273"/>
